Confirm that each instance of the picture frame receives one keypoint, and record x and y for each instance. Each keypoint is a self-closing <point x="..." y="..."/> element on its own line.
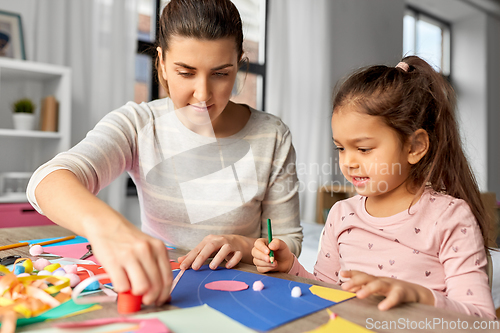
<point x="11" y="36"/>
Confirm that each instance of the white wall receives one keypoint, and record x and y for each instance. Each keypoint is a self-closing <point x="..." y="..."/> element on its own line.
<point x="475" y="75"/>
<point x="28" y="18"/>
<point x="493" y="102"/>
<point x="469" y="79"/>
<point x="363" y="33"/>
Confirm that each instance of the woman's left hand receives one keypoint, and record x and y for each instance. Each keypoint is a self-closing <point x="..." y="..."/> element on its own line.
<point x="232" y="248"/>
<point x="395" y="291"/>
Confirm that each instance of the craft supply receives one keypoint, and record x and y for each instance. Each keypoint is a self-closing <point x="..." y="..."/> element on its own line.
<point x="11" y="246"/>
<point x="72" y="251"/>
<point x="270" y="237"/>
<point x="36" y="250"/>
<point x="338" y="324"/>
<point x="59" y="272"/>
<point x="261" y="311"/>
<point x="334" y="295"/>
<point x="110" y="295"/>
<point x="52" y="267"/>
<point x="88" y="254"/>
<point x="28" y="266"/>
<point x="74" y="279"/>
<point x="28" y="296"/>
<point x="258" y="285"/>
<point x="128" y="302"/>
<point x="176" y="280"/>
<point x="18" y="269"/>
<point x="227" y="285"/>
<point x="296" y="292"/>
<point x="44" y="273"/>
<point x="70" y="268"/>
<point x="145" y="325"/>
<point x="40" y="264"/>
<point x="6" y="261"/>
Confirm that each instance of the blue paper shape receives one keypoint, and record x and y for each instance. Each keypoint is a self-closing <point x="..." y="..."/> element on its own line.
<point x="76" y="240"/>
<point x="259" y="310"/>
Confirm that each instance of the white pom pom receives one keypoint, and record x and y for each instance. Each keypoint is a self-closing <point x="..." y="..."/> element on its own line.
<point x="296" y="292"/>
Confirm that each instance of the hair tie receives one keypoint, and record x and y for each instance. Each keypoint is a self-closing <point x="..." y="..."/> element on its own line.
<point x="403" y="65"/>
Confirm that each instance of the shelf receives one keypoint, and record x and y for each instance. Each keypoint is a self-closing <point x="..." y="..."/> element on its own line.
<point x="13" y="198"/>
<point x="29" y="134"/>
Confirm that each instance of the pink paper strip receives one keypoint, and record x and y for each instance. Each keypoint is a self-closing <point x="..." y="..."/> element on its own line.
<point x="71" y="251"/>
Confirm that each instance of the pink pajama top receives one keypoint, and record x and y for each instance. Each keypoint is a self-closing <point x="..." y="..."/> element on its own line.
<point x="437" y="245"/>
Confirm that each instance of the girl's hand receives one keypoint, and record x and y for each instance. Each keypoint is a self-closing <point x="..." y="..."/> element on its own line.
<point x="283" y="257"/>
<point x="228" y="247"/>
<point x="394" y="290"/>
<point x="134" y="261"/>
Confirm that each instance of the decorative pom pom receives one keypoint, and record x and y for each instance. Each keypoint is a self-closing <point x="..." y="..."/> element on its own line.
<point x="59" y="272"/>
<point x="296" y="291"/>
<point x="23" y="275"/>
<point x="73" y="279"/>
<point x="71" y="269"/>
<point x="93" y="286"/>
<point x="28" y="266"/>
<point x="19" y="269"/>
<point x="40" y="264"/>
<point x="36" y="250"/>
<point x="44" y="273"/>
<point x="258" y="285"/>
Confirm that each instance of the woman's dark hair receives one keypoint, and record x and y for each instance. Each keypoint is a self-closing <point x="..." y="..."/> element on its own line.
<point x="200" y="19"/>
<point x="410" y="97"/>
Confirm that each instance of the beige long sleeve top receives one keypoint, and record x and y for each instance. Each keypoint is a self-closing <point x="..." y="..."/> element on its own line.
<point x="189" y="185"/>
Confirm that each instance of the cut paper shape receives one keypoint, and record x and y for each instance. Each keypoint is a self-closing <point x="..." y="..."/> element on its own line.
<point x="338" y="324"/>
<point x="331" y="294"/>
<point x="76" y="240"/>
<point x="262" y="311"/>
<point x="72" y="251"/>
<point x="145" y="325"/>
<point x="224" y="285"/>
<point x="66" y="309"/>
<point x="207" y="320"/>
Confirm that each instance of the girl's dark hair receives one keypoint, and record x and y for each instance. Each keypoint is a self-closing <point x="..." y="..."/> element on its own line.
<point x="200" y="19"/>
<point x="412" y="99"/>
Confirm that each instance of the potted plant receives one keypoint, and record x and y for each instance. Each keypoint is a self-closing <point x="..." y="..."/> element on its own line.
<point x="24" y="114"/>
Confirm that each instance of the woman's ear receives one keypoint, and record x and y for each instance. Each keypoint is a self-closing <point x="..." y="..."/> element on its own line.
<point x="162" y="63"/>
<point x="419" y="145"/>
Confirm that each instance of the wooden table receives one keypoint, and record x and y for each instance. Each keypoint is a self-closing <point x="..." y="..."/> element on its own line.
<point x="363" y="312"/>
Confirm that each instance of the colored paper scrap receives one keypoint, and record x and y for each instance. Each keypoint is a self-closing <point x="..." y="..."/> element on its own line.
<point x="259" y="310"/>
<point x="207" y="320"/>
<point x="76" y="240"/>
<point x="334" y="295"/>
<point x="72" y="251"/>
<point x="339" y="324"/>
<point x="64" y="310"/>
<point x="224" y="285"/>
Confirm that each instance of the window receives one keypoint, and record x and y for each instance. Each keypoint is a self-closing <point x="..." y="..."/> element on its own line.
<point x="249" y="86"/>
<point x="427" y="37"/>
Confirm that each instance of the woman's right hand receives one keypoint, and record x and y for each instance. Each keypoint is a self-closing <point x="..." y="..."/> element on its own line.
<point x="283" y="257"/>
<point x="134" y="261"/>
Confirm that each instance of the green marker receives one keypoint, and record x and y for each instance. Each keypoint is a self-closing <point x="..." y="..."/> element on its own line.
<point x="270" y="237"/>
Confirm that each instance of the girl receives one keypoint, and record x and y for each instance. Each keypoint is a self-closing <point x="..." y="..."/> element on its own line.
<point x="415" y="232"/>
<point x="209" y="172"/>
